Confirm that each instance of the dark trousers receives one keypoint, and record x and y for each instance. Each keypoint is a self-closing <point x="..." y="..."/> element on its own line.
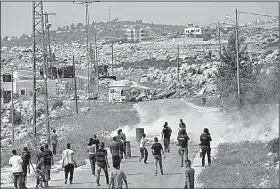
<point x="69" y="169"/>
<point x="92" y="159"/>
<point x="116" y="158"/>
<point x="24" y="175"/>
<point x="99" y="168"/>
<point x="166" y="143"/>
<point x="18" y="179"/>
<point x="158" y="161"/>
<point x="191" y="187"/>
<point x="144" y="154"/>
<point x="54" y="145"/>
<point x="48" y="171"/>
<point x="124" y="148"/>
<point x="206" y="150"/>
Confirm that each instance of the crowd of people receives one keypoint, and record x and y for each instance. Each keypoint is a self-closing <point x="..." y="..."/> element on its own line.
<point x="98" y="157"/>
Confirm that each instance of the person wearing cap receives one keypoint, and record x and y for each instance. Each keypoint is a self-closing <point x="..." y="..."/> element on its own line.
<point x="205" y="139"/>
<point x="25" y="156"/>
<point x="157" y="152"/>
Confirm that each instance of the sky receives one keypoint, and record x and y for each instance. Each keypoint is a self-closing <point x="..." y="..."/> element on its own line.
<point x="16" y="17"/>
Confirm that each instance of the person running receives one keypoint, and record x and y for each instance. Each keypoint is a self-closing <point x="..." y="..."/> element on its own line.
<point x="25" y="156"/>
<point x="16" y="162"/>
<point x="91" y="149"/>
<point x="157" y="150"/>
<point x="166" y="134"/>
<point x="183" y="139"/>
<point x="143" y="150"/>
<point x="117" y="177"/>
<point x="48" y="159"/>
<point x="102" y="163"/>
<point x="121" y="136"/>
<point x="115" y="150"/>
<point x="54" y="141"/>
<point x="68" y="163"/>
<point x="205" y="139"/>
<point x="189" y="175"/>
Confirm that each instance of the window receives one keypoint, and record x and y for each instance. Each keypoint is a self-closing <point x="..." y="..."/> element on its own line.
<point x="192" y="30"/>
<point x="197" y="30"/>
<point x="22" y="92"/>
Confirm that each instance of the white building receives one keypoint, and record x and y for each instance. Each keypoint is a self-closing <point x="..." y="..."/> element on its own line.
<point x="137" y="34"/>
<point x="193" y="31"/>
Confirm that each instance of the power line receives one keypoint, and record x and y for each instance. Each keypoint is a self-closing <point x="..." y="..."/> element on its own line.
<point x="257" y="14"/>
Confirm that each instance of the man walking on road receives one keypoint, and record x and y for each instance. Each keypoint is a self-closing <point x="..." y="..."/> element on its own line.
<point x="54" y="141"/>
<point x="48" y="160"/>
<point x="205" y="140"/>
<point x="121" y="136"/>
<point x="16" y="162"/>
<point x="68" y="163"/>
<point x="182" y="125"/>
<point x="25" y="156"/>
<point x="166" y="134"/>
<point x="115" y="151"/>
<point x="102" y="163"/>
<point x="157" y="150"/>
<point x="183" y="139"/>
<point x="117" y="177"/>
<point x="91" y="149"/>
<point x="143" y="150"/>
<point x="189" y="175"/>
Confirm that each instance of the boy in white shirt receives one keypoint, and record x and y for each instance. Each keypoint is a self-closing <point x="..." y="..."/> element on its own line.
<point x="143" y="150"/>
<point x="16" y="162"/>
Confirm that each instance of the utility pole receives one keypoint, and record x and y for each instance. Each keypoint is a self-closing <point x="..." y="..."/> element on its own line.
<point x="97" y="68"/>
<point x="237" y="58"/>
<point x="112" y="58"/>
<point x="109" y="14"/>
<point x="12" y="108"/>
<point x="220" y="46"/>
<point x="49" y="43"/>
<point x="87" y="4"/>
<point x="75" y="85"/>
<point x="39" y="52"/>
<point x="178" y="68"/>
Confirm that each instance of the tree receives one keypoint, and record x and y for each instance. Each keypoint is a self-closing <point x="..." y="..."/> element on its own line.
<point x="227" y="71"/>
<point x="80" y="25"/>
<point x="72" y="26"/>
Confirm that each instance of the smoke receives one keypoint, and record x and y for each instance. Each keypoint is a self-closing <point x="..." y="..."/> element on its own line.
<point x="154" y="114"/>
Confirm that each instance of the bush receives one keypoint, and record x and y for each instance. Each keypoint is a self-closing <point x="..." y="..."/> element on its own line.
<point x="17" y="117"/>
<point x="57" y="103"/>
<point x="274" y="145"/>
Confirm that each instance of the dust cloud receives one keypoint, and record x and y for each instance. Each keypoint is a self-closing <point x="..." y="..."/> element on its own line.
<point x="154" y="114"/>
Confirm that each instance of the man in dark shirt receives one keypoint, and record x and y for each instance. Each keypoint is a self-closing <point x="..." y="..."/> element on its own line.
<point x="189" y="175"/>
<point x="115" y="150"/>
<point x="96" y="141"/>
<point x="166" y="134"/>
<point x="54" y="141"/>
<point x="25" y="156"/>
<point x="48" y="160"/>
<point x="183" y="139"/>
<point x="157" y="150"/>
<point x="40" y="155"/>
<point x="121" y="136"/>
<point x="205" y="139"/>
<point x="102" y="163"/>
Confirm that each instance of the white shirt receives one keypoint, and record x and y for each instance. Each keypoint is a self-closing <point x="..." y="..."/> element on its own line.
<point x="143" y="142"/>
<point x="16" y="163"/>
<point x="68" y="157"/>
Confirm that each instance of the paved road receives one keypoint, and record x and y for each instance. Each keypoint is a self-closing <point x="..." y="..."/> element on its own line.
<point x="139" y="175"/>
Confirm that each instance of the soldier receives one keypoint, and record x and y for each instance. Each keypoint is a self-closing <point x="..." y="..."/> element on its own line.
<point x="205" y="140"/>
<point x="183" y="139"/>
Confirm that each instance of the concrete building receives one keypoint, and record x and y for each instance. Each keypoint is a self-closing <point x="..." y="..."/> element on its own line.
<point x="24" y="88"/>
<point x="193" y="31"/>
<point x="137" y="34"/>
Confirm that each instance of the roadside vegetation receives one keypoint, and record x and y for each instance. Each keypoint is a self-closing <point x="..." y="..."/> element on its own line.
<point x="243" y="165"/>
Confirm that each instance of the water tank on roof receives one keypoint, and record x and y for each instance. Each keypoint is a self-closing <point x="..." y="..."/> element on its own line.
<point x="7" y="77"/>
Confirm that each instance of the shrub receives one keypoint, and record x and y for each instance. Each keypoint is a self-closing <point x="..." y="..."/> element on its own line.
<point x="57" y="103"/>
